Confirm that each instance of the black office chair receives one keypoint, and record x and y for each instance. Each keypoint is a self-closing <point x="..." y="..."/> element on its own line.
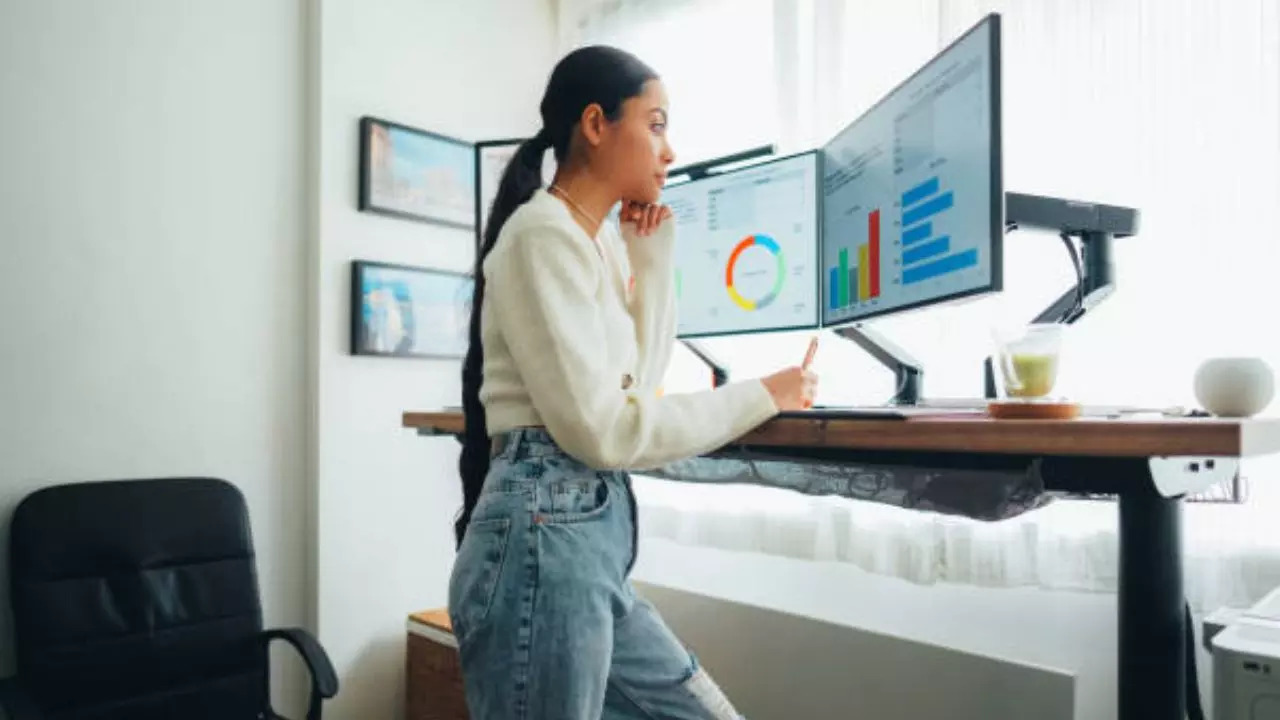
<point x="138" y="600"/>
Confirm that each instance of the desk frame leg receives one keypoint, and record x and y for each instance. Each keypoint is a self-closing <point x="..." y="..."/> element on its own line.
<point x="1152" y="652"/>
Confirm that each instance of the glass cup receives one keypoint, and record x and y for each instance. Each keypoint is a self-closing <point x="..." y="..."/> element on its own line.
<point x="1028" y="360"/>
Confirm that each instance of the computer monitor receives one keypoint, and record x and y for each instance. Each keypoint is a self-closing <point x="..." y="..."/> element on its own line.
<point x="492" y="157"/>
<point x="747" y="248"/>
<point x="913" y="197"/>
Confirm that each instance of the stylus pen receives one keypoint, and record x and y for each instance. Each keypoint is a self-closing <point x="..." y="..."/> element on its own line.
<point x="808" y="356"/>
<point x="808" y="359"/>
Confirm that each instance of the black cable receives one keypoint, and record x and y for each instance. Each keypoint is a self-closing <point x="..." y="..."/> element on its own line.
<point x="1078" y="308"/>
<point x="1195" y="711"/>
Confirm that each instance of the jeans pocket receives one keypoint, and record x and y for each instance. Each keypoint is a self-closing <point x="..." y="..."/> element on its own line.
<point x="477" y="569"/>
<point x="574" y="500"/>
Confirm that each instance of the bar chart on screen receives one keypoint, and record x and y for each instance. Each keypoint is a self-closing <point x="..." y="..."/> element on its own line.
<point x="926" y="254"/>
<point x="858" y="273"/>
<point x="907" y="215"/>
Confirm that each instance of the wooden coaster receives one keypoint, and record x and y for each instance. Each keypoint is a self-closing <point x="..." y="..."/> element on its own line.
<point x="1033" y="410"/>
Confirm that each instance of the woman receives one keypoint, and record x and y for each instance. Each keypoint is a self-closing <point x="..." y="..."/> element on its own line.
<point x="572" y="327"/>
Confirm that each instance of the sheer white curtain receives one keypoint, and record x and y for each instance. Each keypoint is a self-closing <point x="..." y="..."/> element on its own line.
<point x="1171" y="106"/>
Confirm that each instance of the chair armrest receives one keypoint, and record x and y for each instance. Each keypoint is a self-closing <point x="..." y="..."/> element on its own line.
<point x="15" y="704"/>
<point x="324" y="681"/>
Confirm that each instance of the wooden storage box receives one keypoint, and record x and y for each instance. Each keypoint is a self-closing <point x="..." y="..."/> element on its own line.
<point x="433" y="677"/>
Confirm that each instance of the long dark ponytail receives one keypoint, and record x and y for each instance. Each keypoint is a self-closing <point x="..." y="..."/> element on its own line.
<point x="590" y="75"/>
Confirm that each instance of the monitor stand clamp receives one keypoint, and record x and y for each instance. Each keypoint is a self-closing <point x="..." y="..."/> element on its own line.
<point x="908" y="373"/>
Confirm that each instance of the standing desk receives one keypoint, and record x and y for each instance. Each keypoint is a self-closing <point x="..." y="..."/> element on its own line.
<point x="1149" y="463"/>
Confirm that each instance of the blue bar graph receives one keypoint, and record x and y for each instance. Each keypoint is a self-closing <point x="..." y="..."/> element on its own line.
<point x="933" y="248"/>
<point x="833" y="291"/>
<point x="948" y="264"/>
<point x="916" y="233"/>
<point x="927" y="209"/>
<point x="920" y="192"/>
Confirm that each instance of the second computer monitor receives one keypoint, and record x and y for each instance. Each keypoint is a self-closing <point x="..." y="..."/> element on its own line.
<point x="747" y="248"/>
<point x="912" y="191"/>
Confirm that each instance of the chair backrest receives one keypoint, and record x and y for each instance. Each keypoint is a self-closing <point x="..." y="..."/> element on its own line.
<point x="138" y="599"/>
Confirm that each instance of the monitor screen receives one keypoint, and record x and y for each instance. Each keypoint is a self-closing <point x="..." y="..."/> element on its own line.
<point x="747" y="248"/>
<point x="913" y="199"/>
<point x="492" y="157"/>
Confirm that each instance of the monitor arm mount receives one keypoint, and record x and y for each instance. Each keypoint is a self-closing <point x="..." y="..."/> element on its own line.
<point x="1096" y="226"/>
<point x="908" y="373"/>
<point x="697" y="171"/>
<point x="719" y="372"/>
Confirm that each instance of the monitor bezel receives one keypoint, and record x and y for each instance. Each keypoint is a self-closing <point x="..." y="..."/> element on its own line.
<point x="996" y="283"/>
<point x="815" y="156"/>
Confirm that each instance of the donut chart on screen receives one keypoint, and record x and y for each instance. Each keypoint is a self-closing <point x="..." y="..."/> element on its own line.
<point x="746" y="260"/>
<point x="769" y="244"/>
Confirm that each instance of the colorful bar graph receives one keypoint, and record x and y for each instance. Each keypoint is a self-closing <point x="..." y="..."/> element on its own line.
<point x="873" y="234"/>
<point x="920" y="192"/>
<point x="844" y="273"/>
<point x="851" y="283"/>
<point x="916" y="233"/>
<point x="948" y="264"/>
<point x="926" y="209"/>
<point x="864" y="272"/>
<point x="924" y="251"/>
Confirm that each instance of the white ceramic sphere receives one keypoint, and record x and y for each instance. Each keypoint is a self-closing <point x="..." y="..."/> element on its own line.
<point x="1234" y="386"/>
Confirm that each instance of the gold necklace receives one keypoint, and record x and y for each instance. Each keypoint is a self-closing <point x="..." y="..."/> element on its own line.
<point x="575" y="206"/>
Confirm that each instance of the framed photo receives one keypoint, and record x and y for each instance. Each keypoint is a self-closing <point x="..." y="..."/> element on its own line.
<point x="418" y="175"/>
<point x="491" y="160"/>
<point x="406" y="311"/>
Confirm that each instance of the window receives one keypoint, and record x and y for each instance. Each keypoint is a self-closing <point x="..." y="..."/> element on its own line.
<point x="714" y="56"/>
<point x="1171" y="106"/>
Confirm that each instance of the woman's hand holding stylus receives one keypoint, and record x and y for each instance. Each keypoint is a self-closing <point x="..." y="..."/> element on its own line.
<point x="795" y="387"/>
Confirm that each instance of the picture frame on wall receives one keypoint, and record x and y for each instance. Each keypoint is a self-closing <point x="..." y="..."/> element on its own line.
<point x="491" y="160"/>
<point x="409" y="311"/>
<point x="416" y="174"/>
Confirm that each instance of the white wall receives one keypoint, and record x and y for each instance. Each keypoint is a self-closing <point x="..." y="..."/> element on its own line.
<point x="151" y="241"/>
<point x="386" y="498"/>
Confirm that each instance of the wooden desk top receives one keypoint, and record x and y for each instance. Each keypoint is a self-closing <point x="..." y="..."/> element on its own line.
<point x="1129" y="437"/>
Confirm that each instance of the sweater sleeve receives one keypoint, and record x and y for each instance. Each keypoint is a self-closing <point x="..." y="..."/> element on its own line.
<point x="653" y="304"/>
<point x="547" y="314"/>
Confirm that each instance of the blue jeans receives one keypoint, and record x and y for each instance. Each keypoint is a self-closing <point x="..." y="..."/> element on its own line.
<point x="548" y="625"/>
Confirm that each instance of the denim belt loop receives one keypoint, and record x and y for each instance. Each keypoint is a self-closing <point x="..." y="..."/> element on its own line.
<point x="497" y="445"/>
<point x="509" y="440"/>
